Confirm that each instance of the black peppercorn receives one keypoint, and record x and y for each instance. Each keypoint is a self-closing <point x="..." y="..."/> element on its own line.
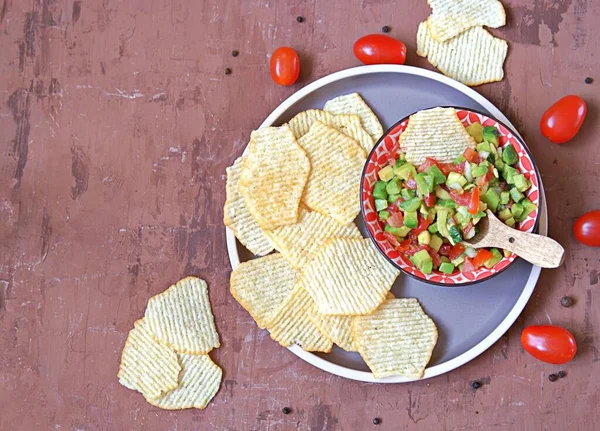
<point x="385" y="29"/>
<point x="286" y="410"/>
<point x="566" y="301"/>
<point x="228" y="71"/>
<point x="589" y="80"/>
<point x="376" y="421"/>
<point x="299" y="19"/>
<point x="562" y="374"/>
<point x="475" y="385"/>
<point x="235" y="53"/>
<point x="553" y="377"/>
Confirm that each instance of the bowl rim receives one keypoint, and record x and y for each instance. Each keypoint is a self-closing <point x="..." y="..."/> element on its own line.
<point x="376" y="243"/>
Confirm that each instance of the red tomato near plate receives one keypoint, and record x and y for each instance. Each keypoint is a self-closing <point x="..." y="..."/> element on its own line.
<point x="285" y="66"/>
<point x="587" y="229"/>
<point x="380" y="49"/>
<point x="561" y="122"/>
<point x="551" y="344"/>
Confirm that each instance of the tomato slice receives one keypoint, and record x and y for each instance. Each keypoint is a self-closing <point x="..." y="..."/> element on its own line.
<point x="473" y="206"/>
<point x="391" y="239"/>
<point x="548" y="343"/>
<point x="429" y="200"/>
<point x="471" y="155"/>
<point x="396" y="219"/>
<point x="468" y="265"/>
<point x="456" y="251"/>
<point x="482" y="257"/>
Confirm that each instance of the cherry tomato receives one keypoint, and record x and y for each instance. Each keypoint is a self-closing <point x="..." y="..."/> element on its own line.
<point x="380" y="49"/>
<point x="587" y="229"/>
<point x="561" y="122"/>
<point x="285" y="66"/>
<point x="482" y="257"/>
<point x="551" y="344"/>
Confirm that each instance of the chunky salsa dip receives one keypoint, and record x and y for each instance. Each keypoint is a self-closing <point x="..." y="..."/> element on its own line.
<point x="428" y="210"/>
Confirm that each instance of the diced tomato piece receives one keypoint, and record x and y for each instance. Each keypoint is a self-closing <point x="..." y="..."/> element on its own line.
<point x="474" y="201"/>
<point x="481" y="181"/>
<point x="482" y="257"/>
<point x="456" y="251"/>
<point x="411" y="184"/>
<point x="435" y="257"/>
<point x="403" y="246"/>
<point x="460" y="168"/>
<point x="446" y="168"/>
<point x="393" y="209"/>
<point x="463" y="198"/>
<point x="423" y="225"/>
<point x="471" y="155"/>
<point x="468" y="265"/>
<point x="391" y="238"/>
<point x="429" y="162"/>
<point x="444" y="250"/>
<point x="429" y="200"/>
<point x="396" y="220"/>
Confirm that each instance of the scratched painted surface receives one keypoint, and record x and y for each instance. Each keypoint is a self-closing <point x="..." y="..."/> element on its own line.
<point x="116" y="125"/>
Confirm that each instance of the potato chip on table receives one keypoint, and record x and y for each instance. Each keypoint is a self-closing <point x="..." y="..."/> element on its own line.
<point x="436" y="133"/>
<point x="198" y="383"/>
<point x="237" y="217"/>
<point x="348" y="277"/>
<point x="147" y="366"/>
<point x="354" y="104"/>
<point x="261" y="285"/>
<point x="273" y="177"/>
<point x="299" y="242"/>
<point x="181" y="317"/>
<point x="449" y="18"/>
<point x="473" y="57"/>
<point x="397" y="339"/>
<point x="336" y="162"/>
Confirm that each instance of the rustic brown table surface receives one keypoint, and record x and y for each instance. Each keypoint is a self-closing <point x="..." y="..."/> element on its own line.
<point x="117" y="122"/>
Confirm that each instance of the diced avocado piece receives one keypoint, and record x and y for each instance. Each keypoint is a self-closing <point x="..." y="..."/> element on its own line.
<point x="492" y="199"/>
<point x="424" y="183"/>
<point x="447" y="203"/>
<point x="437" y="175"/>
<point x="508" y="173"/>
<point x="412" y="204"/>
<point x="393" y="198"/>
<point x="431" y="215"/>
<point x="506" y="253"/>
<point x="432" y="228"/>
<point x="516" y="195"/>
<point x="459" y="160"/>
<point x="442" y="218"/>
<point x="510" y="222"/>
<point x="504" y="198"/>
<point x="379" y="190"/>
<point x="456" y="178"/>
<point x="410" y="219"/>
<point x="393" y="186"/>
<point x="521" y="182"/>
<point x="462" y="216"/>
<point x="509" y="155"/>
<point x="446" y="268"/>
<point x="435" y="243"/>
<point x="516" y="210"/>
<point x="490" y="134"/>
<point x="460" y="259"/>
<point x="440" y="193"/>
<point x="444" y="259"/>
<point x="499" y="163"/>
<point x="476" y="131"/>
<point x="423" y="261"/>
<point x="528" y="208"/>
<point x="424" y="211"/>
<point x="505" y="214"/>
<point x="401" y="231"/>
<point x="479" y="171"/>
<point x="399" y="163"/>
<point x="491" y="157"/>
<point x="407" y="194"/>
<point x="495" y="259"/>
<point x="384" y="215"/>
<point x="381" y="204"/>
<point x="386" y="174"/>
<point x="406" y="171"/>
<point x="455" y="235"/>
<point x="424" y="237"/>
<point x="484" y="146"/>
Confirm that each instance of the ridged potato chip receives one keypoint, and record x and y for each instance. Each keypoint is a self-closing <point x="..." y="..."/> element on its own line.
<point x="474" y="57"/>
<point x="354" y="104"/>
<point x="274" y="174"/>
<point x="436" y="133"/>
<point x="299" y="242"/>
<point x="181" y="317"/>
<point x="337" y="162"/>
<point x="261" y="285"/>
<point x="301" y="123"/>
<point x="198" y="384"/>
<point x="350" y="125"/>
<point x="292" y="323"/>
<point x="237" y="217"/>
<point x="449" y="18"/>
<point x="348" y="277"/>
<point x="397" y="339"/>
<point x="147" y="365"/>
<point x="337" y="328"/>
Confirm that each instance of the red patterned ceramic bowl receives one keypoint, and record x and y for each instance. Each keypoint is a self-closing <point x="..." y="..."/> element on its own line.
<point x="387" y="148"/>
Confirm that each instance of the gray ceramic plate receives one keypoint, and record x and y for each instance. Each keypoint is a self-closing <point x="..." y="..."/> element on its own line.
<point x="469" y="319"/>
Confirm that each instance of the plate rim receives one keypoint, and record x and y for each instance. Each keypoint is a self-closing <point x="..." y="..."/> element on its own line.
<point x="507" y="322"/>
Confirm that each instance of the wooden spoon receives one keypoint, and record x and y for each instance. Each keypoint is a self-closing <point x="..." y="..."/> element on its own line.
<point x="537" y="249"/>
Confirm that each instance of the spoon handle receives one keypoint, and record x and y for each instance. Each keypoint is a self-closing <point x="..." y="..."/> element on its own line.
<point x="536" y="249"/>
